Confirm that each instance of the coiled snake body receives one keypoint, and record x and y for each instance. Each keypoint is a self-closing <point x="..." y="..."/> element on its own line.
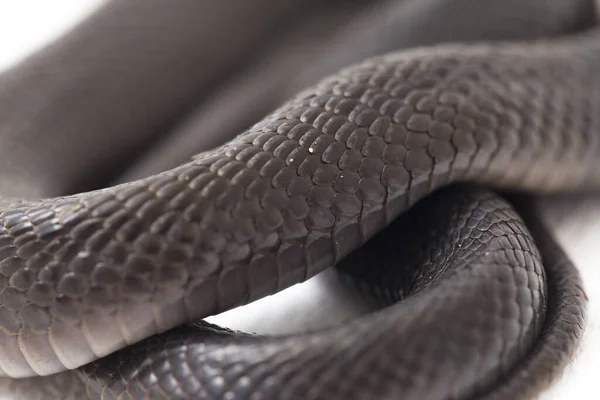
<point x="85" y="275"/>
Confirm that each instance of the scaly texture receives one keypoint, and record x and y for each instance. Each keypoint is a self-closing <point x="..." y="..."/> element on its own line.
<point x="85" y="275"/>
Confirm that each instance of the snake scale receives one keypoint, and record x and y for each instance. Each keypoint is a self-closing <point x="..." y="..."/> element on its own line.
<point x="383" y="168"/>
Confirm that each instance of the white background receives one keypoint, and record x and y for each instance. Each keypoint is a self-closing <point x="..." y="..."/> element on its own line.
<point x="26" y="25"/>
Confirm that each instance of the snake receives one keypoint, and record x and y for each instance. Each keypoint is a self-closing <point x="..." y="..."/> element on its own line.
<point x="405" y="151"/>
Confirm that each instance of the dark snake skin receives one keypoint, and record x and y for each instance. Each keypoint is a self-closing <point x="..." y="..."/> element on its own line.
<point x="478" y="303"/>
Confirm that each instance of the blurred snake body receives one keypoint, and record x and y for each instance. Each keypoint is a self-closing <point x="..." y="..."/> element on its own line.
<point x="489" y="305"/>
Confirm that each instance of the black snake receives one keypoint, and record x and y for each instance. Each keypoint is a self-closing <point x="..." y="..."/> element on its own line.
<point x="477" y="302"/>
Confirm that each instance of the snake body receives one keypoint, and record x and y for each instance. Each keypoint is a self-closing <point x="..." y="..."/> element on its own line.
<point x="330" y="172"/>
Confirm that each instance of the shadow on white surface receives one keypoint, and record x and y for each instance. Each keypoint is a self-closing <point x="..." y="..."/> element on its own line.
<point x="27" y="25"/>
